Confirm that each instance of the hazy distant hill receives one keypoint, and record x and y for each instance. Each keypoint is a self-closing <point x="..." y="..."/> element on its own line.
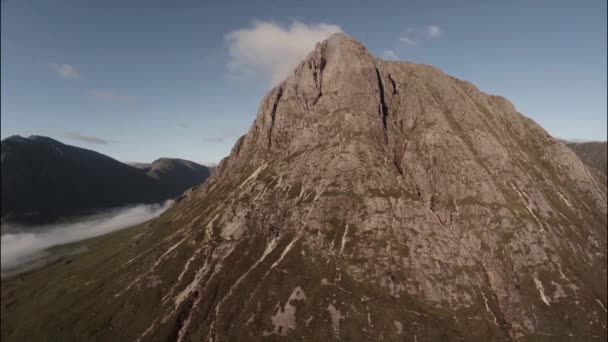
<point x="593" y="153"/>
<point x="140" y="165"/>
<point x="175" y="175"/>
<point x="44" y="180"/>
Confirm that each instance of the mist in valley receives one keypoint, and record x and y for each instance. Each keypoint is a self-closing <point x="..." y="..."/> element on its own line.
<point x="26" y="247"/>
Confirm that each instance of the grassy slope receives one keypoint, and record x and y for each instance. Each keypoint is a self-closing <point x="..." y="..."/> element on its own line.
<point x="74" y="301"/>
<point x="37" y="305"/>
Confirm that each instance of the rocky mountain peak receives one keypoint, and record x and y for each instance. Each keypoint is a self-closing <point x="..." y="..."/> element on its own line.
<point x="339" y="76"/>
<point x="418" y="185"/>
<point x="374" y="200"/>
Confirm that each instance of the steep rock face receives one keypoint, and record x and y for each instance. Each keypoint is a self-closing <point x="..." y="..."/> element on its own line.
<point x="414" y="181"/>
<point x="373" y="201"/>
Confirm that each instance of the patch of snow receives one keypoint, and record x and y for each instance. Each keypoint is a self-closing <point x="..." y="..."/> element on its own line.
<point x="414" y="312"/>
<point x="564" y="199"/>
<point x="559" y="291"/>
<point x="541" y="290"/>
<point x="344" y="239"/>
<point x="287" y="249"/>
<point x="190" y="288"/>
<point x="138" y="235"/>
<point x="269" y="248"/>
<point x="561" y="273"/>
<point x="336" y="316"/>
<point x="301" y="193"/>
<point x="181" y="275"/>
<point x="274" y="242"/>
<point x="488" y="308"/>
<point x="399" y="327"/>
<point x="253" y="175"/>
<point x="168" y="251"/>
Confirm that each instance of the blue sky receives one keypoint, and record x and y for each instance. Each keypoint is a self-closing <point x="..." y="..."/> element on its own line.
<point x="139" y="80"/>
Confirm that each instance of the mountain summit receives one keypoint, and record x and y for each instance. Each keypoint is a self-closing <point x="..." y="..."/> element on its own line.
<point x="370" y="201"/>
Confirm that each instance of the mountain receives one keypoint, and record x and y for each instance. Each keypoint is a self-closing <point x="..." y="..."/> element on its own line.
<point x="44" y="180"/>
<point x="593" y="153"/>
<point x="370" y="200"/>
<point x="140" y="165"/>
<point x="176" y="175"/>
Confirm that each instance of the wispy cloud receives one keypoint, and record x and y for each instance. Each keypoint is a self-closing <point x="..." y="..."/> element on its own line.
<point x="578" y="140"/>
<point x="107" y="95"/>
<point x="85" y="138"/>
<point x="389" y="54"/>
<point x="64" y="71"/>
<point x="270" y="50"/>
<point x="408" y="41"/>
<point x="213" y="139"/>
<point x="225" y="136"/>
<point x="413" y="35"/>
<point x="433" y="31"/>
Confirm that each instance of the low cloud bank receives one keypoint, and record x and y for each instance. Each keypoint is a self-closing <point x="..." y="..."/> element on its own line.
<point x="25" y="245"/>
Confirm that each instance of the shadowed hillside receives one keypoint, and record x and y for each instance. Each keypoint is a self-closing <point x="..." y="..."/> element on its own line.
<point x="593" y="153"/>
<point x="44" y="180"/>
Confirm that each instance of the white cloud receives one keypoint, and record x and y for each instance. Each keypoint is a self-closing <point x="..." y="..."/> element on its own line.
<point x="225" y="136"/>
<point x="433" y="31"/>
<point x="407" y="40"/>
<point x="389" y="54"/>
<point x="109" y="96"/>
<point x="85" y="138"/>
<point x="414" y="35"/>
<point x="64" y="70"/>
<point x="272" y="51"/>
<point x="25" y="247"/>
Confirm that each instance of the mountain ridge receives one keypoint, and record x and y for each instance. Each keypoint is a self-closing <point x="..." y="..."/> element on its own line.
<point x="54" y="174"/>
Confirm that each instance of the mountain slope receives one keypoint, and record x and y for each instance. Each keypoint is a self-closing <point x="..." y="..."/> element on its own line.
<point x="369" y="201"/>
<point x="593" y="153"/>
<point x="44" y="179"/>
<point x="175" y="175"/>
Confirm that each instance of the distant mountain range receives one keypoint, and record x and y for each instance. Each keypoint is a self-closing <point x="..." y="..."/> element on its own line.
<point x="44" y="180"/>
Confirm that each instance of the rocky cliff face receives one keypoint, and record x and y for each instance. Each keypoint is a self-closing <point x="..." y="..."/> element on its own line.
<point x="373" y="201"/>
